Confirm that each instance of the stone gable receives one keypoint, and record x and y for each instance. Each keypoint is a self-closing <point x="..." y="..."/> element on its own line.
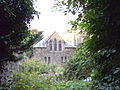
<point x="53" y="50"/>
<point x="55" y="35"/>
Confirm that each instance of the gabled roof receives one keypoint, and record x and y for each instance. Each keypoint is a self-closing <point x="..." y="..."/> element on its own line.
<point x="42" y="43"/>
<point x="53" y="34"/>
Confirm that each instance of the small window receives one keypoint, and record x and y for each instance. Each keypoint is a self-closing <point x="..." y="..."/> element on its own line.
<point x="45" y="59"/>
<point x="65" y="58"/>
<point x="60" y="46"/>
<point x="55" y="45"/>
<point x="62" y="60"/>
<point x="49" y="60"/>
<point x="50" y="43"/>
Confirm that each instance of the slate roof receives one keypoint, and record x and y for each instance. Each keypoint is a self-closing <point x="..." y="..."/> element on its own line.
<point x="42" y="43"/>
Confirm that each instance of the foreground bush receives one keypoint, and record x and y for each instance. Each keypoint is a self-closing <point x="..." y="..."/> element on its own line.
<point x="30" y="76"/>
<point x="36" y="75"/>
<point x="72" y="85"/>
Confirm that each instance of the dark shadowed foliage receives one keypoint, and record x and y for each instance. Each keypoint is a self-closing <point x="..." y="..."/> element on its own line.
<point x="100" y="19"/>
<point x="15" y="15"/>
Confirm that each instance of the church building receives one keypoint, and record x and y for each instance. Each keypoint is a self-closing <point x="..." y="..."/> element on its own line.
<point x="53" y="49"/>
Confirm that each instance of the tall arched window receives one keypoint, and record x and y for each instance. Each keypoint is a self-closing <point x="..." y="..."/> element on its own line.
<point x="50" y="43"/>
<point x="60" y="46"/>
<point x="55" y="44"/>
<point x="62" y="61"/>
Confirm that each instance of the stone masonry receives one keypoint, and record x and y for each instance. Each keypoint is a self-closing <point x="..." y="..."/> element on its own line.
<point x="53" y="49"/>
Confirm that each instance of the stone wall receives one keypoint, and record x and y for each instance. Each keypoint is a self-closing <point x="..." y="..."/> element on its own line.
<point x="7" y="68"/>
<point x="55" y="56"/>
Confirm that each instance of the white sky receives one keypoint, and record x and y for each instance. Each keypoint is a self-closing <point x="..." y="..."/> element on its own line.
<point x="50" y="21"/>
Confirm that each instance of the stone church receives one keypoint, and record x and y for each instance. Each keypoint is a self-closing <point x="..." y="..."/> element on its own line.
<point x="53" y="49"/>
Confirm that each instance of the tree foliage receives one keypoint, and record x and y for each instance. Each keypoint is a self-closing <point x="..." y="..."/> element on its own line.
<point x="100" y="20"/>
<point x="15" y="15"/>
<point x="28" y="45"/>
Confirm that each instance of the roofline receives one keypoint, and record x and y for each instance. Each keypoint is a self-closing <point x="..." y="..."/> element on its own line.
<point x="70" y="47"/>
<point x="39" y="47"/>
<point x="52" y="34"/>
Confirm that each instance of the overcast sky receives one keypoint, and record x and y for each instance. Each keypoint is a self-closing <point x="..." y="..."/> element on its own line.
<point x="50" y="21"/>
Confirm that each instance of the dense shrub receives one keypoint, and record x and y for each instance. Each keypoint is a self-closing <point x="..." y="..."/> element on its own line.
<point x="72" y="85"/>
<point x="78" y="67"/>
<point x="31" y="75"/>
<point x="100" y="20"/>
<point x="36" y="75"/>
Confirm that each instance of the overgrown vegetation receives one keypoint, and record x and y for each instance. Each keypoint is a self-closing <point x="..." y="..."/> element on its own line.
<point x="15" y="15"/>
<point x="15" y="36"/>
<point x="36" y="75"/>
<point x="98" y="56"/>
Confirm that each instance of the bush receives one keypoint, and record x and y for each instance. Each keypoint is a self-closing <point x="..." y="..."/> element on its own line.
<point x="36" y="75"/>
<point x="31" y="75"/>
<point x="72" y="85"/>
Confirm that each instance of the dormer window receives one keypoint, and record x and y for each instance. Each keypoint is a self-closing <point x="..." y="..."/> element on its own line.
<point x="50" y="43"/>
<point x="55" y="44"/>
<point x="60" y="45"/>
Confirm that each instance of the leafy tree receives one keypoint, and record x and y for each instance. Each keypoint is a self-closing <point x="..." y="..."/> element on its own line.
<point x="28" y="46"/>
<point x="15" y="37"/>
<point x="100" y="20"/>
<point x="15" y="15"/>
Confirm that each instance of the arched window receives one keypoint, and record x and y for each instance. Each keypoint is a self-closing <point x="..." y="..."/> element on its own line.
<point x="62" y="61"/>
<point x="45" y="59"/>
<point x="55" y="45"/>
<point x="60" y="45"/>
<point x="50" y="43"/>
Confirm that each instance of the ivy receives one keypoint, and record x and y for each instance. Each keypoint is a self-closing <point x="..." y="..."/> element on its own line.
<point x="101" y="47"/>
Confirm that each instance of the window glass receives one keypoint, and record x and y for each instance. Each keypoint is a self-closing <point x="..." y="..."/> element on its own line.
<point x="55" y="45"/>
<point x="62" y="60"/>
<point x="60" y="46"/>
<point x="50" y="43"/>
<point x="49" y="60"/>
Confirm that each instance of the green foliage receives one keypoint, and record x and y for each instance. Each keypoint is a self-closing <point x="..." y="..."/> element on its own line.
<point x="15" y="15"/>
<point x="7" y="85"/>
<point x="35" y="75"/>
<point x="78" y="67"/>
<point x="72" y="85"/>
<point x="113" y="81"/>
<point x="31" y="75"/>
<point x="34" y="66"/>
<point x="27" y="46"/>
<point x="100" y="20"/>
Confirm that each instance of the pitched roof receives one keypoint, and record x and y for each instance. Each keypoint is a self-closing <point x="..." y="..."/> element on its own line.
<point x="42" y="43"/>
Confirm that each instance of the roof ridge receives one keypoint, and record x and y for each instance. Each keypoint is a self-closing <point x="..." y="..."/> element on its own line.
<point x="42" y="42"/>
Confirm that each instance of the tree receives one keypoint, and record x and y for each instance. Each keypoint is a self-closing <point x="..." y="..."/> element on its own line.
<point x="100" y="20"/>
<point x="15" y="15"/>
<point x="28" y="46"/>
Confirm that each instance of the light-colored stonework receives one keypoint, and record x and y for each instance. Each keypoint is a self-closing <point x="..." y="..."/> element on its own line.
<point x="53" y="49"/>
<point x="75" y="37"/>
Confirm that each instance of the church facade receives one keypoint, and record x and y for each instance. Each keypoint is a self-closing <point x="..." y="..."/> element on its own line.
<point x="53" y="49"/>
